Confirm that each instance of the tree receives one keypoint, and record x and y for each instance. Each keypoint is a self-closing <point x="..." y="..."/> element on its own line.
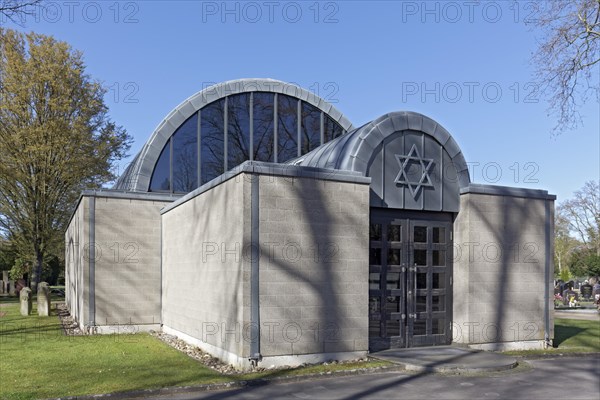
<point x="564" y="243"/>
<point x="55" y="141"/>
<point x="584" y="263"/>
<point x="7" y="255"/>
<point x="583" y="215"/>
<point x="16" y="10"/>
<point x="577" y="232"/>
<point x="567" y="60"/>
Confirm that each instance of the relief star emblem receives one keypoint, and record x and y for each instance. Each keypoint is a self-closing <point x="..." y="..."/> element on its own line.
<point x="405" y="162"/>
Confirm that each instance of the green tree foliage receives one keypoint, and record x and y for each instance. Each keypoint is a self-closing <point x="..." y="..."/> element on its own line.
<point x="564" y="243"/>
<point x="7" y="255"/>
<point x="55" y="140"/>
<point x="585" y="263"/>
<point x="565" y="274"/>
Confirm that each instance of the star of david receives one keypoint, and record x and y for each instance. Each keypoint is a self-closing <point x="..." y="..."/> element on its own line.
<point x="414" y="157"/>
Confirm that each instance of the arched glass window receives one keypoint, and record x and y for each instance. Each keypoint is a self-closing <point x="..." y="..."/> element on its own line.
<point x="185" y="156"/>
<point x="212" y="150"/>
<point x="264" y="136"/>
<point x="311" y="128"/>
<point x="161" y="177"/>
<point x="287" y="128"/>
<point x="259" y="126"/>
<point x="238" y="129"/>
<point x="331" y="129"/>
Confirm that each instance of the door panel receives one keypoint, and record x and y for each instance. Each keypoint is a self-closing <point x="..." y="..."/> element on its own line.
<point x="410" y="270"/>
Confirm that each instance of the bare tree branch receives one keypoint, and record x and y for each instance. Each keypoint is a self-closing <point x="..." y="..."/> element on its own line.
<point x="568" y="57"/>
<point x="17" y="10"/>
<point x="583" y="215"/>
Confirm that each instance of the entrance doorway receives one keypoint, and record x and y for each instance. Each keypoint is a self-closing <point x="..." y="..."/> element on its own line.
<point x="410" y="279"/>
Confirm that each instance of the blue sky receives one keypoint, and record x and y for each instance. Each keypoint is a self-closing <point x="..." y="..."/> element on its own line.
<point x="464" y="64"/>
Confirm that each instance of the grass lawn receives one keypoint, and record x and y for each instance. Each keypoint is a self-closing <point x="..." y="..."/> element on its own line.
<point x="577" y="334"/>
<point x="38" y="361"/>
<point x="570" y="336"/>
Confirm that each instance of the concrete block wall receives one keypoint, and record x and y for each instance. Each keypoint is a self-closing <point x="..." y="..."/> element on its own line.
<point x="76" y="263"/>
<point x="127" y="267"/>
<point x="205" y="273"/>
<point x="312" y="235"/>
<point x="313" y="268"/>
<point x="125" y="291"/>
<point x="502" y="246"/>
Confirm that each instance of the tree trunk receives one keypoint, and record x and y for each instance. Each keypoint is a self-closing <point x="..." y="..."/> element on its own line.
<point x="37" y="269"/>
<point x="559" y="265"/>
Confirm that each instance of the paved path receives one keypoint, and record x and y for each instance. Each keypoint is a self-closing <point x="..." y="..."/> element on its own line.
<point x="548" y="379"/>
<point x="590" y="315"/>
<point x="447" y="359"/>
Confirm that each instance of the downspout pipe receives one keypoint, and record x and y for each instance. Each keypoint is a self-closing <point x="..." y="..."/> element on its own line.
<point x="92" y="266"/>
<point x="255" y="355"/>
<point x="547" y="266"/>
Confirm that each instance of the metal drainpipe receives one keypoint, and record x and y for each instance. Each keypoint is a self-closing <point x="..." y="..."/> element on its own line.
<point x="255" y="355"/>
<point x="92" y="265"/>
<point x="547" y="275"/>
<point x="161" y="272"/>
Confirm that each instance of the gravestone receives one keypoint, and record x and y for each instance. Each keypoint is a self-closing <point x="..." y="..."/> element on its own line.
<point x="43" y="299"/>
<point x="586" y="291"/>
<point x="11" y="288"/>
<point x="25" y="299"/>
<point x="20" y="284"/>
<point x="570" y="297"/>
<point x="557" y="290"/>
<point x="4" y="282"/>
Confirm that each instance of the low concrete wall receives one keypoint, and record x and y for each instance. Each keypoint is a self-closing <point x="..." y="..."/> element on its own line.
<point x="115" y="288"/>
<point x="503" y="246"/>
<point x="312" y="235"/>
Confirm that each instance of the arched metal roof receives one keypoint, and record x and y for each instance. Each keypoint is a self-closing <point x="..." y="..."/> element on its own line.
<point x="139" y="172"/>
<point x="353" y="150"/>
<point x="380" y="150"/>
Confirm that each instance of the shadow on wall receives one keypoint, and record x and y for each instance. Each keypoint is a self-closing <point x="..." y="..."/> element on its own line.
<point x="229" y="303"/>
<point x="312" y="221"/>
<point x="505" y="283"/>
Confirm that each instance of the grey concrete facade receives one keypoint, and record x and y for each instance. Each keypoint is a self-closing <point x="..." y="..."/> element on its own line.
<point x="271" y="263"/>
<point x="503" y="253"/>
<point x="204" y="275"/>
<point x="113" y="261"/>
<point x="312" y="284"/>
